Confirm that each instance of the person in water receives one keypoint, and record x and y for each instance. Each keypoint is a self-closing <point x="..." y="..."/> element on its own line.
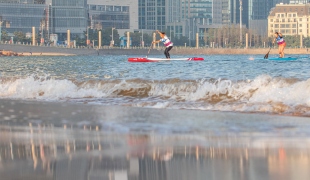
<point x="166" y="41"/>
<point x="281" y="43"/>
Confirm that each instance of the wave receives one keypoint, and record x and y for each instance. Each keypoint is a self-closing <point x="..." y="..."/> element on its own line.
<point x="262" y="94"/>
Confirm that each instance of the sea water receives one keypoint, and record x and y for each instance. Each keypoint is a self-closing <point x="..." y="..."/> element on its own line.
<point x="221" y="82"/>
<point x="101" y="117"/>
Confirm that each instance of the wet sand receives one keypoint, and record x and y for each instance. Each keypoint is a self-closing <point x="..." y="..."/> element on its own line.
<point x="49" y="140"/>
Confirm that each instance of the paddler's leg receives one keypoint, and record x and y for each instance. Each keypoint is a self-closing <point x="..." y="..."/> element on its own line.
<point x="279" y="50"/>
<point x="166" y="53"/>
<point x="282" y="49"/>
<point x="168" y="49"/>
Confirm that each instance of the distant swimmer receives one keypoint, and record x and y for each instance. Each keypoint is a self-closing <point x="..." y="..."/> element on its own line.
<point x="281" y="43"/>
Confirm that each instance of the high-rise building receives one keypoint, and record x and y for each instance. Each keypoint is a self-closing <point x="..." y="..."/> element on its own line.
<point x="21" y="15"/>
<point x="119" y="14"/>
<point x="67" y="14"/>
<point x="47" y="16"/>
<point x="258" y="11"/>
<point x="184" y="17"/>
<point x="152" y="14"/>
<point x="239" y="8"/>
<point x="221" y="12"/>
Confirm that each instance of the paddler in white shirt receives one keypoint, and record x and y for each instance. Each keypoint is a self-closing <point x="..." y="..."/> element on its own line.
<point x="166" y="41"/>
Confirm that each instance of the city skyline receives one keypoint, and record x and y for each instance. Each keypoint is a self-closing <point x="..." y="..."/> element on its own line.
<point x="180" y="17"/>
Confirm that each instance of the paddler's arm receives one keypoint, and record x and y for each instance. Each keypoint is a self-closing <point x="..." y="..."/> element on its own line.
<point x="154" y="42"/>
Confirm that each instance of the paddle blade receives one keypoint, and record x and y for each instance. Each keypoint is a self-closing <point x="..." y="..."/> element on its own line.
<point x="266" y="56"/>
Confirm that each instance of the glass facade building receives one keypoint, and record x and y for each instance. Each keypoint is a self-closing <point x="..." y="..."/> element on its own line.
<point x="108" y="16"/>
<point x="50" y="16"/>
<point x="152" y="14"/>
<point x="67" y="14"/>
<point x="235" y="12"/>
<point x="21" y="16"/>
<point x="258" y="12"/>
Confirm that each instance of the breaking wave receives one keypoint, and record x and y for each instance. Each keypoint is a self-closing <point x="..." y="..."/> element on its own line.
<point x="262" y="94"/>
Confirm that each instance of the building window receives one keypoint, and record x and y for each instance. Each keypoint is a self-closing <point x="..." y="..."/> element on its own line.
<point x="117" y="8"/>
<point x="109" y="8"/>
<point x="125" y="8"/>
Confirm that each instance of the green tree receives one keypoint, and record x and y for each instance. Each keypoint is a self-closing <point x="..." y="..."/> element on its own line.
<point x="148" y="39"/>
<point x="19" y="36"/>
<point x="5" y="36"/>
<point x="180" y="41"/>
<point x="292" y="41"/>
<point x="106" y="37"/>
<point x="136" y="38"/>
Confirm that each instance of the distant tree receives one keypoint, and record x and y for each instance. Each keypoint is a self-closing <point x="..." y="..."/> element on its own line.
<point x="306" y="42"/>
<point x="147" y="38"/>
<point x="135" y="38"/>
<point x="180" y="41"/>
<point x="292" y="41"/>
<point x="5" y="36"/>
<point x="106" y="37"/>
<point x="19" y="36"/>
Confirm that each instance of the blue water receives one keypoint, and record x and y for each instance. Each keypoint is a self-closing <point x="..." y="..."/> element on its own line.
<point x="245" y="83"/>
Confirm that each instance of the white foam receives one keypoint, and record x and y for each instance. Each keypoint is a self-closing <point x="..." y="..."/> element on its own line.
<point x="263" y="93"/>
<point x="47" y="89"/>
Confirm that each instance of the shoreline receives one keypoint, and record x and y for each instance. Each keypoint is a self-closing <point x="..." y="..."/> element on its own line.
<point x="25" y="50"/>
<point x="75" y="113"/>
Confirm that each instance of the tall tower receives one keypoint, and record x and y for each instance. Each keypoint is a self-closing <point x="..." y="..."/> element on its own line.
<point x="69" y="14"/>
<point x="152" y="14"/>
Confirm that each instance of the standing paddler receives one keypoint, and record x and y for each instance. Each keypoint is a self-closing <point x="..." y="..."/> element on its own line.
<point x="166" y="41"/>
<point x="281" y="43"/>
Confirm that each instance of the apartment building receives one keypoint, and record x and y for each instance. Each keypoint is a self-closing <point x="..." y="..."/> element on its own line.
<point x="289" y="19"/>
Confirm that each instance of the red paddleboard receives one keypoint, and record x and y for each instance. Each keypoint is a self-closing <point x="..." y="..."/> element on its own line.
<point x="145" y="59"/>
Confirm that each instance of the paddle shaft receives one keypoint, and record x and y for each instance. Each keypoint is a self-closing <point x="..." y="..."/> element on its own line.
<point x="149" y="50"/>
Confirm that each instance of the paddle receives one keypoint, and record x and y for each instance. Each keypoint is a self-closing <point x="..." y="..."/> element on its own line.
<point x="149" y="50"/>
<point x="266" y="56"/>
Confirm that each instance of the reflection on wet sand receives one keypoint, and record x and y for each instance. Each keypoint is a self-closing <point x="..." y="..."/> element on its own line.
<point x="46" y="152"/>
